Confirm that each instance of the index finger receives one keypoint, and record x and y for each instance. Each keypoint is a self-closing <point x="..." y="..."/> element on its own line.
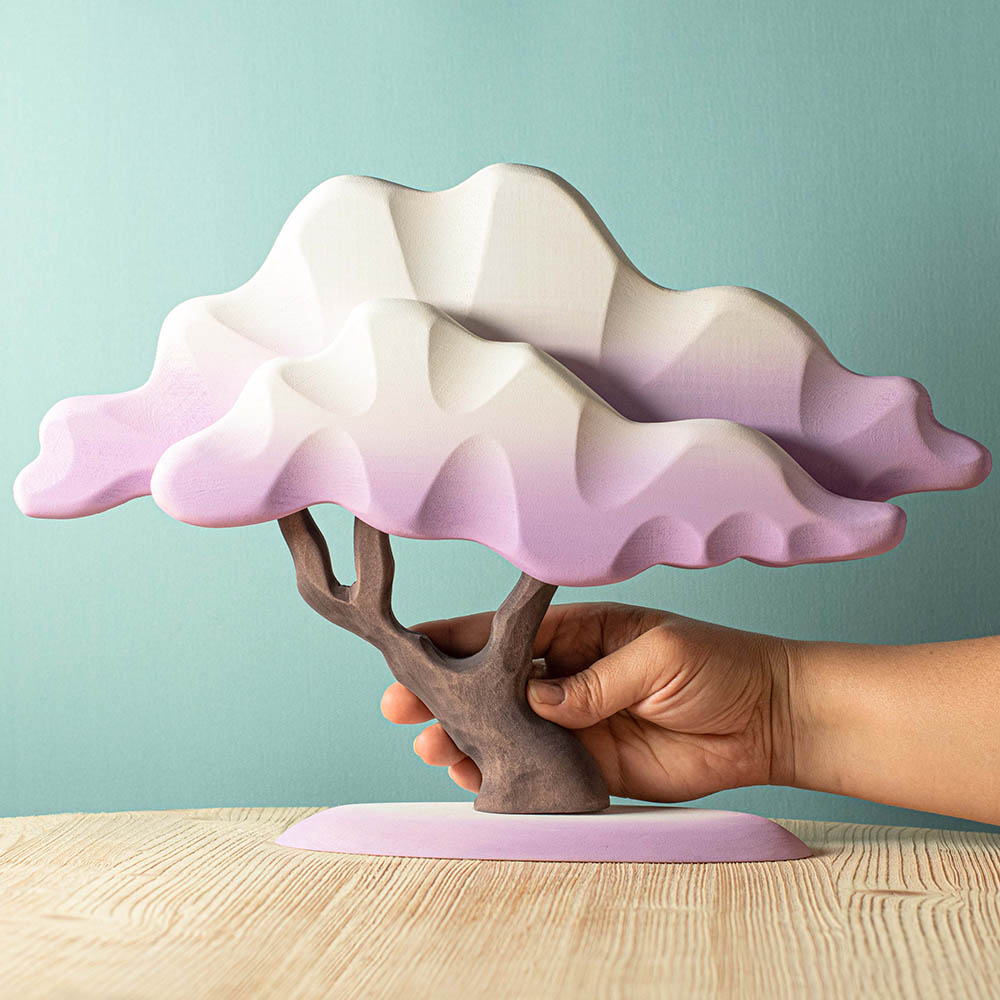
<point x="468" y="634"/>
<point x="458" y="636"/>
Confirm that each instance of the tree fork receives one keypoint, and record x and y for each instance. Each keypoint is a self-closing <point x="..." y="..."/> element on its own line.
<point x="529" y="765"/>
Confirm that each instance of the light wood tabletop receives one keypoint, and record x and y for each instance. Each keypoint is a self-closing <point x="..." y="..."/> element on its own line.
<point x="202" y="903"/>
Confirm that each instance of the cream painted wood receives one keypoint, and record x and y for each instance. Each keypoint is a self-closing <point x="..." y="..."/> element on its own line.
<point x="202" y="903"/>
<point x="421" y="429"/>
<point x="512" y="253"/>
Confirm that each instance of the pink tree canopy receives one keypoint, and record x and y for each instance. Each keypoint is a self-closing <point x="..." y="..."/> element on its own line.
<point x="424" y="430"/>
<point x="513" y="253"/>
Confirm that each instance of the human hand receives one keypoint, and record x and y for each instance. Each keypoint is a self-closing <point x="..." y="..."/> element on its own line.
<point x="671" y="708"/>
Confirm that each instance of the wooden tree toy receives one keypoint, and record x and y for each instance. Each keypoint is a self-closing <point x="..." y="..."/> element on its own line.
<point x="485" y="363"/>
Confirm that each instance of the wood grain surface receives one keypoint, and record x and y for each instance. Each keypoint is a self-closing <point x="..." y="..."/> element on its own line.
<point x="203" y="904"/>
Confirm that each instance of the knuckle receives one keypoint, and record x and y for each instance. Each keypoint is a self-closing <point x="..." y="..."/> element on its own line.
<point x="589" y="694"/>
<point x="667" y="645"/>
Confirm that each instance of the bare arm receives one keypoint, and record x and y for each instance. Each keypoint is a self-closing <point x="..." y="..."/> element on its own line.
<point x="673" y="709"/>
<point x="915" y="726"/>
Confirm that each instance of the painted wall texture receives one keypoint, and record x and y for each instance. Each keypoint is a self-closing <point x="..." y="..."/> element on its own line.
<point x="841" y="157"/>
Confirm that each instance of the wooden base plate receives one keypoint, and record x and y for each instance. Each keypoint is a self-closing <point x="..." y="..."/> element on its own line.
<point x="619" y="833"/>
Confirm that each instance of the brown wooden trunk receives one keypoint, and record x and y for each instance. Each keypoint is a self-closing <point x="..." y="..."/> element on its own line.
<point x="529" y="765"/>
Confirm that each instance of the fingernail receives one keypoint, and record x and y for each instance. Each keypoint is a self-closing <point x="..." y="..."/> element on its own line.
<point x="546" y="692"/>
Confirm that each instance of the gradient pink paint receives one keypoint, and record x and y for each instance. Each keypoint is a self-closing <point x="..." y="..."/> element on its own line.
<point x="443" y="435"/>
<point x="620" y="833"/>
<point x="652" y="353"/>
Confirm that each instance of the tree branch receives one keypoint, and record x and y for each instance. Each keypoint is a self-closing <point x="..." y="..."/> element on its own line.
<point x="375" y="567"/>
<point x="516" y="622"/>
<point x="317" y="584"/>
<point x="365" y="607"/>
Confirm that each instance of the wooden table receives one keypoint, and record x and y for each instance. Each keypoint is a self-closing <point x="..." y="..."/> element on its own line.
<point x="202" y="903"/>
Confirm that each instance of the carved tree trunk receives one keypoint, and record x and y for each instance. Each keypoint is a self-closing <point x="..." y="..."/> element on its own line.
<point x="529" y="765"/>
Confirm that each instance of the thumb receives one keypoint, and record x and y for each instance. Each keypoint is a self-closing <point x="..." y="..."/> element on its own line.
<point x="616" y="681"/>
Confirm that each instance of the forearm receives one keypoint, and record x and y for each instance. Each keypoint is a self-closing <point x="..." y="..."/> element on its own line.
<point x="915" y="726"/>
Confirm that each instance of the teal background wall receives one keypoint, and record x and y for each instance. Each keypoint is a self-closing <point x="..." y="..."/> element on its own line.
<point x="840" y="156"/>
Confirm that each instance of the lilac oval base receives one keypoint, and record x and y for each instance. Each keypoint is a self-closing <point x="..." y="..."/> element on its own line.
<point x="620" y="833"/>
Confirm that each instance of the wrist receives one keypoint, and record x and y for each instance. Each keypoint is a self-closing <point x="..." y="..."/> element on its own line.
<point x="830" y="713"/>
<point x="782" y="658"/>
